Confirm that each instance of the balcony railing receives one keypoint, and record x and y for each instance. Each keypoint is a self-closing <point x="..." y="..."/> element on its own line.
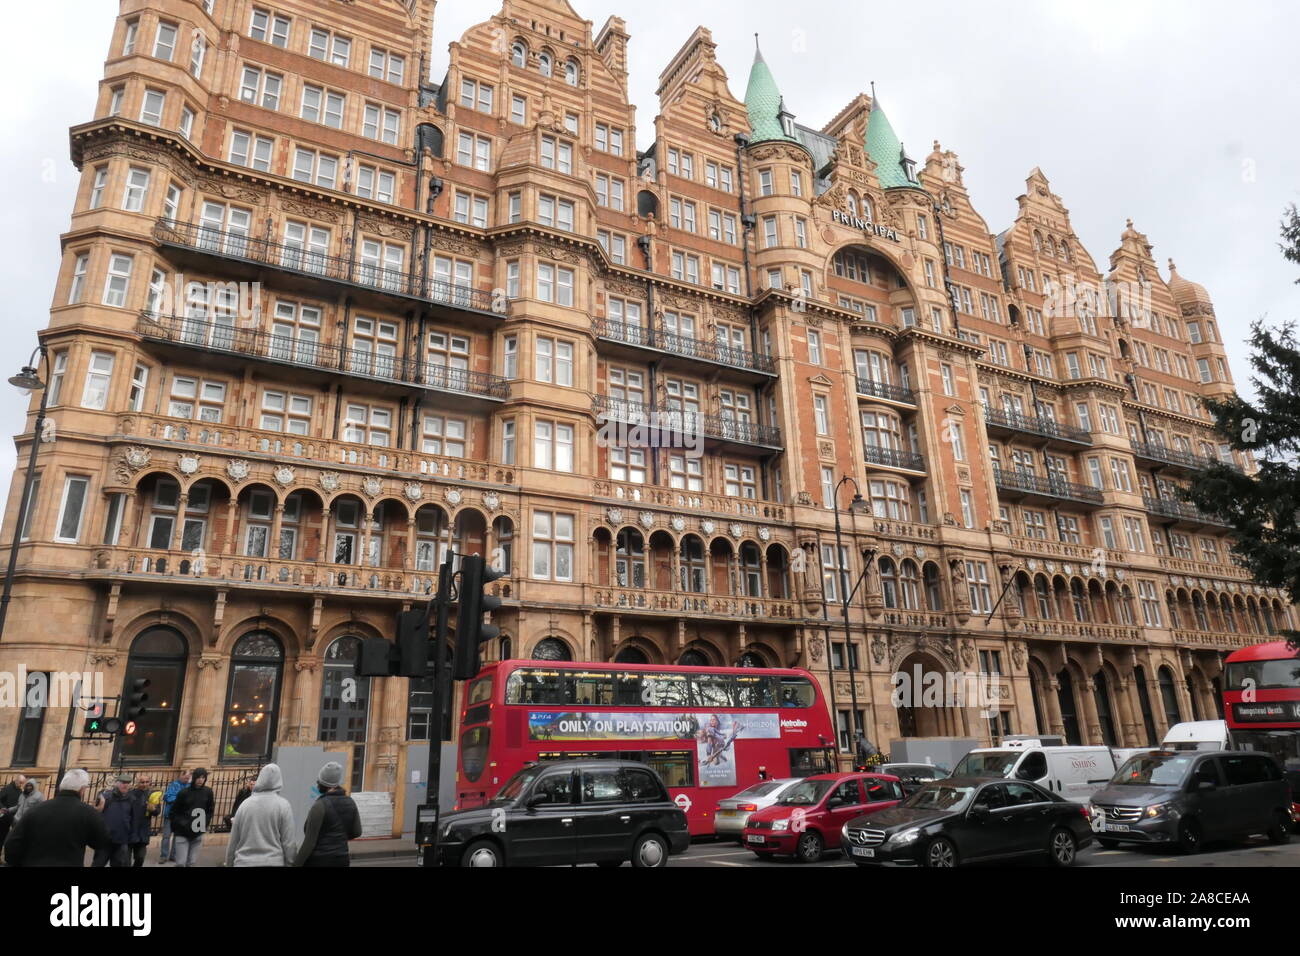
<point x="1034" y="425"/>
<point x="221" y="335"/>
<point x="1173" y="456"/>
<point x="679" y="500"/>
<point x="1050" y="487"/>
<point x="1082" y="631"/>
<point x="733" y="606"/>
<point x="893" y="458"/>
<point x="680" y="422"/>
<point x="685" y="345"/>
<point x="895" y="393"/>
<point x="1214" y="639"/>
<point x="1180" y="510"/>
<point x="306" y="261"/>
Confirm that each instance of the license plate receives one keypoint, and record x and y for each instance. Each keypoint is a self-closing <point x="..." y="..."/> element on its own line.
<point x="863" y="852"/>
<point x="727" y="813"/>
<point x="753" y="838"/>
<point x="1114" y="827"/>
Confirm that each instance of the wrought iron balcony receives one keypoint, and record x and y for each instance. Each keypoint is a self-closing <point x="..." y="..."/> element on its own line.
<point x="1034" y="425"/>
<point x="1186" y="460"/>
<point x="1023" y="481"/>
<point x="677" y="421"/>
<point x="302" y="260"/>
<point x="893" y="458"/>
<point x="894" y="393"/>
<point x="221" y="335"/>
<point x="687" y="346"/>
<point x="1181" y="511"/>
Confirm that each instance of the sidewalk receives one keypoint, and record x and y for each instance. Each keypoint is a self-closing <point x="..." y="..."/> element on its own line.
<point x="369" y="849"/>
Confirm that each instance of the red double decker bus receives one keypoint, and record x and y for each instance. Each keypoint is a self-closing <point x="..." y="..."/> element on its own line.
<point x="708" y="731"/>
<point x="1261" y="700"/>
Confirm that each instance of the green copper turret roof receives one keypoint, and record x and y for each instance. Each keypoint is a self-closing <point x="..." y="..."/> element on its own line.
<point x="885" y="150"/>
<point x="763" y="102"/>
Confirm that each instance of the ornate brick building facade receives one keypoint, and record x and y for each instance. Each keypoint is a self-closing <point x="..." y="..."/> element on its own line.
<point x="318" y="320"/>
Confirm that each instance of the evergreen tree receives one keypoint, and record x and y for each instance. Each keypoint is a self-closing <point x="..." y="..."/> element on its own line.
<point x="1263" y="510"/>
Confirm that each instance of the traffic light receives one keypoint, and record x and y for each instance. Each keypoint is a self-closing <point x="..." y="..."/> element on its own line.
<point x="375" y="659"/>
<point x="412" y="644"/>
<point x="136" y="700"/>
<point x="94" y="719"/>
<point x="470" y="629"/>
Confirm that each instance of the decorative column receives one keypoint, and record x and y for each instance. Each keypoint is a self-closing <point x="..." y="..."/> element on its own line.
<point x="1053" y="704"/>
<point x="181" y="504"/>
<point x="277" y="521"/>
<point x="232" y="506"/>
<point x="129" y="529"/>
<point x="306" y="701"/>
<point x="1129" y="735"/>
<point x="207" y="712"/>
<point x="409" y="563"/>
<point x="1135" y="708"/>
<point x="1089" y="709"/>
<point x="326" y="555"/>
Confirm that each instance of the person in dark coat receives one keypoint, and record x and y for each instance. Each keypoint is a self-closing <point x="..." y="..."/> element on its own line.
<point x="142" y="819"/>
<point x="10" y="794"/>
<point x="332" y="821"/>
<point x="245" y="792"/>
<point x="120" y="812"/>
<point x="191" y="818"/>
<point x="58" y="832"/>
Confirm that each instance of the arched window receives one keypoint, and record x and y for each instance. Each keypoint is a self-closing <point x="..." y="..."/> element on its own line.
<point x="693" y="658"/>
<point x="344" y="707"/>
<point x="158" y="655"/>
<point x="1229" y="619"/>
<point x="852" y="202"/>
<point x="1198" y="609"/>
<point x="544" y="64"/>
<point x="503" y="530"/>
<point x="571" y="72"/>
<point x="888" y="582"/>
<point x="631" y="559"/>
<point x="868" y="213"/>
<point x="1044" y="598"/>
<point x="1079" y="600"/>
<point x="552" y="649"/>
<point x="252" y="698"/>
<point x="933" y="589"/>
<point x="631" y="654"/>
<point x="692" y="564"/>
<point x="1101" y="694"/>
<point x="751" y="570"/>
<point x="715" y="122"/>
<point x="910" y="593"/>
<point x="1168" y="696"/>
<point x="1069" y="715"/>
<point x="519" y="53"/>
<point x="750" y="659"/>
<point x="1144" y="704"/>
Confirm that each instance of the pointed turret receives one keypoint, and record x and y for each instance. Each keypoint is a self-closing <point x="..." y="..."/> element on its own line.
<point x="767" y="113"/>
<point x="894" y="168"/>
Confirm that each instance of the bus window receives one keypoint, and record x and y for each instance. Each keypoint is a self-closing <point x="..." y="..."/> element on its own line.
<point x="797" y="692"/>
<point x="473" y="752"/>
<point x="715" y="690"/>
<point x="809" y="761"/>
<point x="653" y="690"/>
<point x="676" y="768"/>
<point x="758" y="690"/>
<point x="480" y="691"/>
<point x="593" y="689"/>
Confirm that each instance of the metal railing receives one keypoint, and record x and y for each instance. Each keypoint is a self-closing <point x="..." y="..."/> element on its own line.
<point x="1052" y="487"/>
<point x="1036" y="426"/>
<point x="895" y="393"/>
<point x="221" y="335"/>
<point x="678" y="421"/>
<point x="893" y="458"/>
<point x="1174" y="456"/>
<point x="304" y="260"/>
<point x="1180" y="510"/>
<point x="686" y="345"/>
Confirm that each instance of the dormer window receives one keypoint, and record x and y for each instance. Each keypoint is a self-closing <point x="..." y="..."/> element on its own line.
<point x="544" y="64"/>
<point x="519" y="54"/>
<point x="909" y="167"/>
<point x="571" y="72"/>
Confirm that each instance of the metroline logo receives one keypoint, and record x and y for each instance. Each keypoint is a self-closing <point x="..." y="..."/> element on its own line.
<point x="793" y="724"/>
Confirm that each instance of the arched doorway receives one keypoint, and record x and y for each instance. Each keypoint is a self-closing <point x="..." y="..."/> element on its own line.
<point x="158" y="655"/>
<point x="926" y="703"/>
<point x="552" y="649"/>
<point x="345" y="704"/>
<point x="1144" y="704"/>
<point x="1101" y="696"/>
<point x="1069" y="714"/>
<point x="252" y="698"/>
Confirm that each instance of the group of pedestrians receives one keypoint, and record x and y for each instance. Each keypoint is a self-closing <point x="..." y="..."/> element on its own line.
<point x="117" y="827"/>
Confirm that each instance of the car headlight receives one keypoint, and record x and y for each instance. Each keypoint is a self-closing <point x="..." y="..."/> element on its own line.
<point x="1158" y="810"/>
<point x="780" y="824"/>
<point x="905" y="837"/>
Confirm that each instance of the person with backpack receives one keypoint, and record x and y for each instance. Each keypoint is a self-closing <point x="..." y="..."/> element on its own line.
<point x="332" y="821"/>
<point x="166" y="850"/>
<point x="192" y="817"/>
<point x="262" y="831"/>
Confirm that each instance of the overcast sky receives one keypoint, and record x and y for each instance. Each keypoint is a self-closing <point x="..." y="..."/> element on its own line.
<point x="1181" y="114"/>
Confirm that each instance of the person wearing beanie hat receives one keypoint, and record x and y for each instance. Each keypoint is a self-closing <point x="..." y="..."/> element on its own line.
<point x="332" y="821"/>
<point x="58" y="831"/>
<point x="192" y="817"/>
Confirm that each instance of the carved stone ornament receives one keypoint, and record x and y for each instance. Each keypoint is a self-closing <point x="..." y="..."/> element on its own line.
<point x="647" y="519"/>
<point x="237" y="469"/>
<point x="920" y="552"/>
<point x="491" y="501"/>
<point x="765" y="534"/>
<point x="454" y="497"/>
<point x="1018" y="656"/>
<point x="679" y="523"/>
<point x="614" y="515"/>
<point x="735" y="529"/>
<point x="188" y="464"/>
<point x="898" y="550"/>
<point x="413" y="491"/>
<point x="329" y="481"/>
<point x="283" y="476"/>
<point x="816" y="647"/>
<point x="373" y="486"/>
<point x="707" y="527"/>
<point x="137" y="457"/>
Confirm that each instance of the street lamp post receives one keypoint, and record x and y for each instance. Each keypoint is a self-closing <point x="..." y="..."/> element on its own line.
<point x="858" y="506"/>
<point x="29" y="379"/>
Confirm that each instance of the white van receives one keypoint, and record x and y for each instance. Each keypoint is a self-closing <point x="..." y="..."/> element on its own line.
<point x="1074" y="773"/>
<point x="1198" y="735"/>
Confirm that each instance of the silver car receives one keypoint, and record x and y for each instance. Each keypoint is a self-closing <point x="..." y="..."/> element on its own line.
<point x="732" y="813"/>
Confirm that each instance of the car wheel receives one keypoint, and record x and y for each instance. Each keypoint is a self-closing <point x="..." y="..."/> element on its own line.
<point x="650" y="851"/>
<point x="1280" y="831"/>
<point x="810" y="847"/>
<point x="1107" y="844"/>
<point x="1189" y="836"/>
<point x="609" y="864"/>
<point x="482" y="853"/>
<point x="941" y="852"/>
<point x="1062" y="847"/>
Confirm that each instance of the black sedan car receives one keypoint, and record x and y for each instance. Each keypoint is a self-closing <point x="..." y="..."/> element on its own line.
<point x="967" y="820"/>
<point x="568" y="812"/>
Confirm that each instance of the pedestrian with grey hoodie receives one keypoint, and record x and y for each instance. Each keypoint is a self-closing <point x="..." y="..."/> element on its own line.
<point x="262" y="833"/>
